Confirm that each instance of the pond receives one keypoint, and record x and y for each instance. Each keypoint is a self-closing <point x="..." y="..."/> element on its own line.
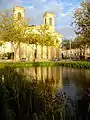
<point x="71" y="80"/>
<point x="44" y="93"/>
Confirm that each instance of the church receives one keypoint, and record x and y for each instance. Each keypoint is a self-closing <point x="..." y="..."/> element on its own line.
<point x="32" y="52"/>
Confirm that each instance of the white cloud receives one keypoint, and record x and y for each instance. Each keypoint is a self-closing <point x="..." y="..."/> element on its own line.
<point x="62" y="18"/>
<point x="36" y="12"/>
<point x="69" y="4"/>
<point x="66" y="31"/>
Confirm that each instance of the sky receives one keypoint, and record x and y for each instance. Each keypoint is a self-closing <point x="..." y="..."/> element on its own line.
<point x="34" y="10"/>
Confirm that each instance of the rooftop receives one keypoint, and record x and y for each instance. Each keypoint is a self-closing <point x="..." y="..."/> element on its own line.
<point x="48" y="13"/>
<point x="18" y="7"/>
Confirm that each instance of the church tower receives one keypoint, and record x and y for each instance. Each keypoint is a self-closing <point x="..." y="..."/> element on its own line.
<point x="18" y="13"/>
<point x="49" y="19"/>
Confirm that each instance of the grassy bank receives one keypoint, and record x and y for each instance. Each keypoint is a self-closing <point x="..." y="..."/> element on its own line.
<point x="73" y="64"/>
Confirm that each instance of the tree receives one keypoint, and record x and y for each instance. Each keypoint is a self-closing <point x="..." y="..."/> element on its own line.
<point x="47" y="38"/>
<point x="66" y="43"/>
<point x="82" y="22"/>
<point x="13" y="31"/>
<point x="82" y="25"/>
<point x="78" y="43"/>
<point x="17" y="32"/>
<point x="41" y="35"/>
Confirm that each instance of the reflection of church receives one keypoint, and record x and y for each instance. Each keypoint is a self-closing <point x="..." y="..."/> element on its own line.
<point x="50" y="76"/>
<point x="31" y="51"/>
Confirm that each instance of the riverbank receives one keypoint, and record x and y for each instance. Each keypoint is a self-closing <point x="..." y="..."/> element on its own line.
<point x="73" y="64"/>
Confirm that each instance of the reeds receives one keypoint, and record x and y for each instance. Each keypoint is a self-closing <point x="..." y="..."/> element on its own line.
<point x="21" y="99"/>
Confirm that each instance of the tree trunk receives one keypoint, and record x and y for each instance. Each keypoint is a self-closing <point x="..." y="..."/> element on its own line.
<point x="15" y="48"/>
<point x="15" y="54"/>
<point x="19" y="51"/>
<point x="47" y="52"/>
<point x="80" y="53"/>
<point x="84" y="51"/>
<point x="35" y="52"/>
<point x="42" y="52"/>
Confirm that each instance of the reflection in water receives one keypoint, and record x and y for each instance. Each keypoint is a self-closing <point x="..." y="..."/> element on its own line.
<point x="51" y="76"/>
<point x="69" y="81"/>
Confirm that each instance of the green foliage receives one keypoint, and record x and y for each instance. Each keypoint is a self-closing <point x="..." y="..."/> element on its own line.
<point x="82" y="27"/>
<point x="17" y="32"/>
<point x="66" y="43"/>
<point x="73" y="64"/>
<point x="47" y="37"/>
<point x="82" y="22"/>
<point x="22" y="99"/>
<point x="77" y="64"/>
<point x="11" y="30"/>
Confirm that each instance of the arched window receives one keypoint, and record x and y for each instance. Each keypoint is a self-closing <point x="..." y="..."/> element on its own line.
<point x="50" y="21"/>
<point x="19" y="16"/>
<point x="45" y="21"/>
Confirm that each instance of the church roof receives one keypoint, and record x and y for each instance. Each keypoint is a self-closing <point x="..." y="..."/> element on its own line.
<point x="48" y="13"/>
<point x="19" y="7"/>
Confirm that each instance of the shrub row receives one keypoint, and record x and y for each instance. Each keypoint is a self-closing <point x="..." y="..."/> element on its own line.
<point x="79" y="64"/>
<point x="73" y="64"/>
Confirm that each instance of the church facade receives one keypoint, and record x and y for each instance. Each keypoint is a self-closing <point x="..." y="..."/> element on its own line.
<point x="30" y="51"/>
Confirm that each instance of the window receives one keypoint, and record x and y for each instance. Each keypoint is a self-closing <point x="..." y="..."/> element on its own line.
<point x="19" y="16"/>
<point x="50" y="21"/>
<point x="45" y="21"/>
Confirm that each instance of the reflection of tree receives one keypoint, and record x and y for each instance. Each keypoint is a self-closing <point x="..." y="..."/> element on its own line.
<point x="42" y="72"/>
<point x="66" y="76"/>
<point x="80" y="77"/>
<point x="47" y="80"/>
<point x="49" y="76"/>
<point x="36" y="74"/>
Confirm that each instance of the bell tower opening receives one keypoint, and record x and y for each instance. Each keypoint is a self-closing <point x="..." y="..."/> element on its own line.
<point x="45" y="21"/>
<point x="49" y="19"/>
<point x="19" y="16"/>
<point x="18" y="13"/>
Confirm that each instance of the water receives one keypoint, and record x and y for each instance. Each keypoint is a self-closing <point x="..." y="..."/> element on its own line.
<point x="70" y="99"/>
<point x="70" y="80"/>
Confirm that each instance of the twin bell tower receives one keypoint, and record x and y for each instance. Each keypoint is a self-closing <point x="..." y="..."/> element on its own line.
<point x="48" y="18"/>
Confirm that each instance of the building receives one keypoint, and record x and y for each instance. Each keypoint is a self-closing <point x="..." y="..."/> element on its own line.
<point x="29" y="51"/>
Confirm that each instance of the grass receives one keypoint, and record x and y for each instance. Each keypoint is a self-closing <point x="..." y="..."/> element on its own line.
<point x="73" y="64"/>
